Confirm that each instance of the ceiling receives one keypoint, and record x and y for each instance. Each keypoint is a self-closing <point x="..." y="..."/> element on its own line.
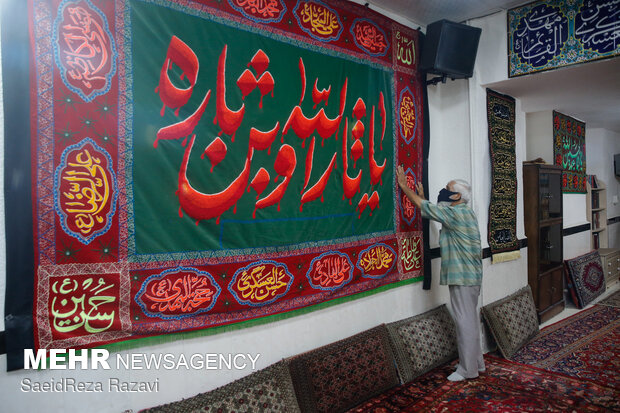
<point x="589" y="92"/>
<point x="424" y="12"/>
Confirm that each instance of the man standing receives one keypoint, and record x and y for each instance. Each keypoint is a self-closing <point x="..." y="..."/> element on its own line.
<point x="461" y="264"/>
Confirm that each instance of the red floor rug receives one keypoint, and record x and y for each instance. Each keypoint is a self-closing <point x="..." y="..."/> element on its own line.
<point x="586" y="345"/>
<point x="505" y="387"/>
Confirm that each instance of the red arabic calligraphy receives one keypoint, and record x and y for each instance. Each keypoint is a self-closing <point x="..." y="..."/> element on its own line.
<point x="407" y="205"/>
<point x="85" y="48"/>
<point x="180" y="292"/>
<point x="319" y="96"/>
<point x="350" y="186"/>
<point x="265" y="10"/>
<point x="201" y="205"/>
<point x="369" y="37"/>
<point x="228" y="119"/>
<point x="330" y="271"/>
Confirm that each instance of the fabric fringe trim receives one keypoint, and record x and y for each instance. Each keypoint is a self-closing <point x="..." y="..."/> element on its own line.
<point x="505" y="256"/>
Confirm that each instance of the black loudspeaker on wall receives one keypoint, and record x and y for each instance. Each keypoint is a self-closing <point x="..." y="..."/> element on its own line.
<point x="449" y="49"/>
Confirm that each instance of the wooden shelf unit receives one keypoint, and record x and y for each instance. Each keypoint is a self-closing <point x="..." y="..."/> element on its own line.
<point x="543" y="212"/>
<point x="596" y="213"/>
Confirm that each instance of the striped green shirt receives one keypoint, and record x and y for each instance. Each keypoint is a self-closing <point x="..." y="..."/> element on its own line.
<point x="459" y="241"/>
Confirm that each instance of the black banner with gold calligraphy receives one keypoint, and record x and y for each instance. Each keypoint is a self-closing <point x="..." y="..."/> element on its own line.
<point x="502" y="235"/>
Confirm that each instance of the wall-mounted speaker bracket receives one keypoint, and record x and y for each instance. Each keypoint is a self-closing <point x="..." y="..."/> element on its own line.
<point x="437" y="79"/>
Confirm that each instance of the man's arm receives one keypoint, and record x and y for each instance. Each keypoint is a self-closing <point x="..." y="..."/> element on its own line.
<point x="429" y="211"/>
<point x="416" y="196"/>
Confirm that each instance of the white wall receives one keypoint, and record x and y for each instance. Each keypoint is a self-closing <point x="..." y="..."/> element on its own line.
<point x="539" y="132"/>
<point x="576" y="244"/>
<point x="601" y="145"/>
<point x="409" y="23"/>
<point x="449" y="155"/>
<point x="574" y="208"/>
<point x="614" y="235"/>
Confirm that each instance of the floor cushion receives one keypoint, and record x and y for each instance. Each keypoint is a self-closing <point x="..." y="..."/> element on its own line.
<point x="423" y="342"/>
<point x="341" y="375"/>
<point x="585" y="278"/>
<point x="512" y="320"/>
<point x="269" y="389"/>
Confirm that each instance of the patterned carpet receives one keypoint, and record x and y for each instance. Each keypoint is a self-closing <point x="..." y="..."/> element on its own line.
<point x="505" y="387"/>
<point x="586" y="345"/>
<point x="612" y="301"/>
